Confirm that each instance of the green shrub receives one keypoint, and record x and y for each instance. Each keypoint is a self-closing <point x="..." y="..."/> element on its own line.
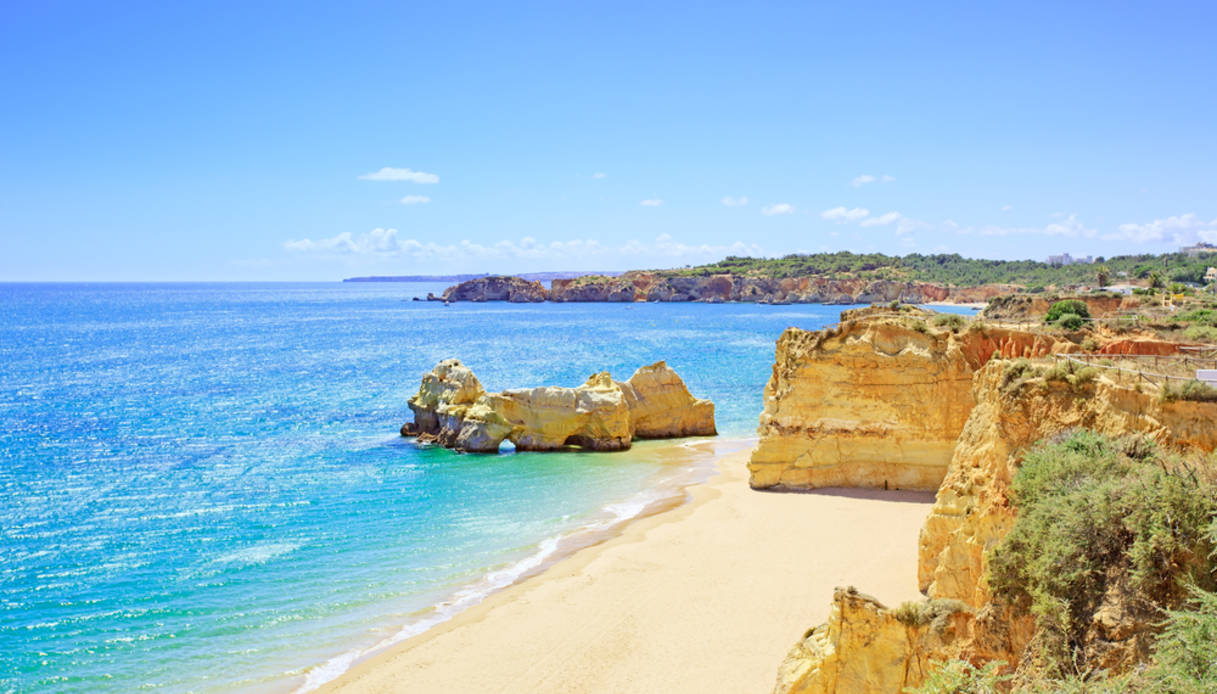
<point x="1060" y="308"/>
<point x="934" y="612"/>
<point x="1189" y="390"/>
<point x="961" y="677"/>
<point x="1089" y="344"/>
<point x="1093" y="510"/>
<point x="953" y="321"/>
<point x="1185" y="655"/>
<point x="1200" y="333"/>
<point x="1071" y="321"/>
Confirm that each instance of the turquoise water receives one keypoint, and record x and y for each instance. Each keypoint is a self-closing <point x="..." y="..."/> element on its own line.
<point x="202" y="487"/>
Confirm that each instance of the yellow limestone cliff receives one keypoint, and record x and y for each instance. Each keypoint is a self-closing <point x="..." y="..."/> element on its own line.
<point x="452" y="409"/>
<point x="1014" y="407"/>
<point x="877" y="402"/>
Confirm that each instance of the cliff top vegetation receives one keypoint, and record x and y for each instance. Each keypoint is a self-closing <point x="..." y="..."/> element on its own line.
<point x="957" y="270"/>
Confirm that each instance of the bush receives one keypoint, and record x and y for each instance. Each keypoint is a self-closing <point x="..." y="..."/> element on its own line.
<point x="1091" y="511"/>
<point x="1195" y="391"/>
<point x="961" y="677"/>
<point x="1184" y="659"/>
<point x="953" y="321"/>
<point x="1071" y="321"/>
<point x="934" y="612"/>
<point x="1060" y="308"/>
<point x="1089" y="344"/>
<point x="1200" y="333"/>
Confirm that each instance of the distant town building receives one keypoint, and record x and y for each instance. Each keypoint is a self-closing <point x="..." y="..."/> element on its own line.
<point x="1066" y="259"/>
<point x="1199" y="249"/>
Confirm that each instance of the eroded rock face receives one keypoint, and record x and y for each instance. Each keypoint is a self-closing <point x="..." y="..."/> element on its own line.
<point x="971" y="514"/>
<point x="666" y="286"/>
<point x="497" y="288"/>
<point x="865" y="647"/>
<point x="878" y="402"/>
<point x="661" y="407"/>
<point x="453" y="410"/>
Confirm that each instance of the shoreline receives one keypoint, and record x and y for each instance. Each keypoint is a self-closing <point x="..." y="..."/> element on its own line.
<point x="694" y="461"/>
<point x="653" y="594"/>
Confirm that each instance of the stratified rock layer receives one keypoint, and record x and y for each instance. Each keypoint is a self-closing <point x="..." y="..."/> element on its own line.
<point x="877" y="402"/>
<point x="666" y="286"/>
<point x="1012" y="408"/>
<point x="865" y="647"/>
<point x="451" y="409"/>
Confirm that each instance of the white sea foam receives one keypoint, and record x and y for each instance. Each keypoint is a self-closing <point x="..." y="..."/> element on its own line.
<point x="257" y="554"/>
<point x="611" y="517"/>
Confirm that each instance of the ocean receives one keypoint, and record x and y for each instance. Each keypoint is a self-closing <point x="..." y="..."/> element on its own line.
<point x="202" y="487"/>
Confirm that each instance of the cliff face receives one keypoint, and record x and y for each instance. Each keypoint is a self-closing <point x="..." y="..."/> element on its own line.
<point x="1013" y="409"/>
<point x="865" y="647"/>
<point x="498" y="288"/>
<point x="877" y="402"/>
<point x="452" y="409"/>
<point x="662" y="286"/>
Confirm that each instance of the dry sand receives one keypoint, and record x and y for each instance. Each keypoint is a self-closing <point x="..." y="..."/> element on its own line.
<point x="705" y="597"/>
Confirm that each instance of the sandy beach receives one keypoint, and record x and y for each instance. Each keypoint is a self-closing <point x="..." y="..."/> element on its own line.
<point x="705" y="597"/>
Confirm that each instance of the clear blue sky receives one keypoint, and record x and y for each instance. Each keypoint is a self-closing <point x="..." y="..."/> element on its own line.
<point x="227" y="140"/>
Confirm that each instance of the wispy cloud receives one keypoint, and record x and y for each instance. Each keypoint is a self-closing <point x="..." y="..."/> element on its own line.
<point x="389" y="243"/>
<point x="1068" y="226"/>
<point x="1183" y="228"/>
<point x="415" y="200"/>
<point x="863" y="179"/>
<point x="389" y="173"/>
<point x="652" y="202"/>
<point x="777" y="208"/>
<point x="599" y="174"/>
<point x="1007" y="208"/>
<point x="882" y="220"/>
<point x="735" y="202"/>
<point x="841" y="214"/>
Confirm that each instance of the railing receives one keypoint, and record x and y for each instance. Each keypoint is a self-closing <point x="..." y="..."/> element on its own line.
<point x="1142" y="363"/>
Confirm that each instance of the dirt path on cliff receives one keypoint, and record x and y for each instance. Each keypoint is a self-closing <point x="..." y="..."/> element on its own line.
<point x="707" y="597"/>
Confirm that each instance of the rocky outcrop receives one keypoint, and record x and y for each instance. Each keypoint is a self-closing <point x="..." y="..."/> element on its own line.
<point x="878" y="401"/>
<point x="451" y="409"/>
<point x="865" y="647"/>
<point x="670" y="286"/>
<point x="1032" y="307"/>
<point x="495" y="288"/>
<point x="1015" y="406"/>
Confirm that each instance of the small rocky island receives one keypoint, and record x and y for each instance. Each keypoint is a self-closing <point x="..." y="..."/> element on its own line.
<point x="452" y="409"/>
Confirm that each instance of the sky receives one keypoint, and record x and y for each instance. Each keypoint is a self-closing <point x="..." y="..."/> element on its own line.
<point x="314" y="141"/>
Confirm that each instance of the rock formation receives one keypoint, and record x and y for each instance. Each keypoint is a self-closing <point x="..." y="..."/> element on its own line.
<point x="495" y="288"/>
<point x="877" y="402"/>
<point x="865" y="647"/>
<point x="668" y="286"/>
<point x="1009" y="407"/>
<point x="1032" y="307"/>
<point x="452" y="409"/>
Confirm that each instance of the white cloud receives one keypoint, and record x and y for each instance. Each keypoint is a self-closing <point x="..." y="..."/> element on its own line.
<point x="599" y="174"/>
<point x="735" y="202"/>
<point x="862" y="179"/>
<point x="841" y="214"/>
<point x="653" y="202"/>
<point x="778" y="208"/>
<point x="1184" y="228"/>
<point x="1007" y="208"/>
<point x="415" y="200"/>
<point x="882" y="220"/>
<point x="1069" y="226"/>
<point x="387" y="242"/>
<point x="389" y="173"/>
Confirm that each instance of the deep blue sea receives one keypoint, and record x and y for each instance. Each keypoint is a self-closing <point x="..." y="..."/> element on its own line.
<point x="202" y="487"/>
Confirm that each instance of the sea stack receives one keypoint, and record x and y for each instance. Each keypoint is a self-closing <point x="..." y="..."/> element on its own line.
<point x="453" y="410"/>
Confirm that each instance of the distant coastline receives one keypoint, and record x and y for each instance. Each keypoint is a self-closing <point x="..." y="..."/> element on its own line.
<point x="531" y="276"/>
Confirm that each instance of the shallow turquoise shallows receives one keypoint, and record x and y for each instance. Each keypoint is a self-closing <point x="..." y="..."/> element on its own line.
<point x="202" y="487"/>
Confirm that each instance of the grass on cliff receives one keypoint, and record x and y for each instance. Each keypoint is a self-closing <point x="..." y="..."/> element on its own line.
<point x="1189" y="390"/>
<point x="1096" y="517"/>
